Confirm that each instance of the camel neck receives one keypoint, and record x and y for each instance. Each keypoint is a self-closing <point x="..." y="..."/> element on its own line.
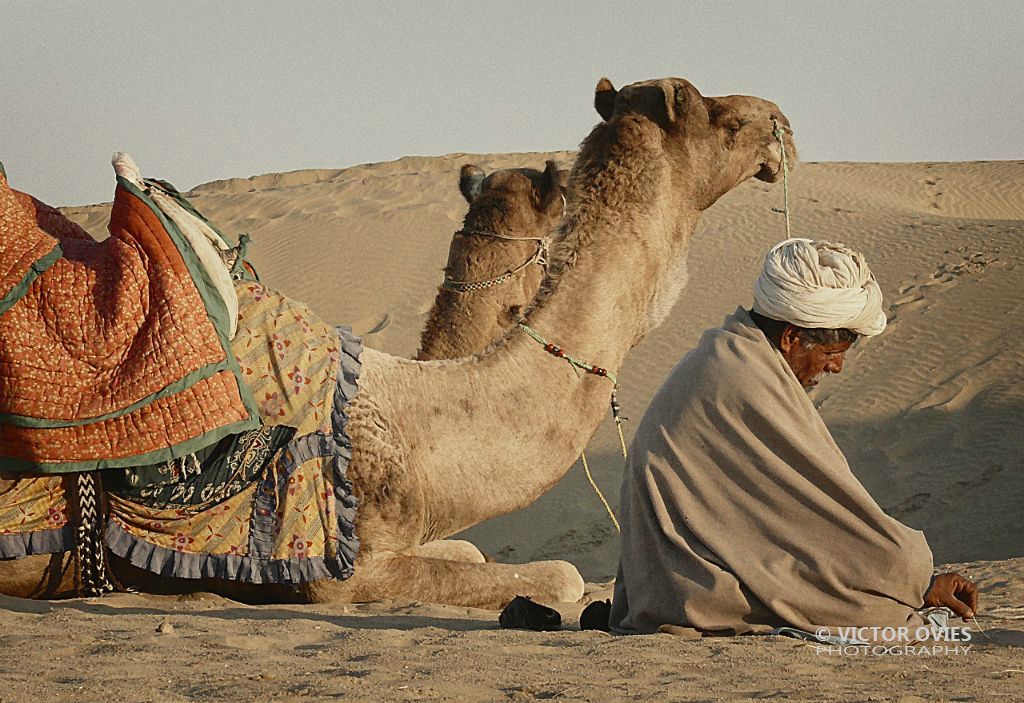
<point x="509" y="424"/>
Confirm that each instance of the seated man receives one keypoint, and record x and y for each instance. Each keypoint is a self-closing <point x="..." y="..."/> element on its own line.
<point x="739" y="512"/>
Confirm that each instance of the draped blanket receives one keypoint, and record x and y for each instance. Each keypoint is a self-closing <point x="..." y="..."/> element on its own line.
<point x="112" y="353"/>
<point x="269" y="505"/>
<point x="221" y="435"/>
<point x="740" y="513"/>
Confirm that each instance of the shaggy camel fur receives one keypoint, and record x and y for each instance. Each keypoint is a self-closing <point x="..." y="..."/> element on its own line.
<point x="443" y="445"/>
<point x="513" y="204"/>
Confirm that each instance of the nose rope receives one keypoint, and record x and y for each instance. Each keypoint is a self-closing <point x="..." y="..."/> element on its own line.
<point x="779" y="134"/>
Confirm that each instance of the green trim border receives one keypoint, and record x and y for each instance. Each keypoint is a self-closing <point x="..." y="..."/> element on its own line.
<point x="157" y="456"/>
<point x="216" y="310"/>
<point x="38" y="267"/>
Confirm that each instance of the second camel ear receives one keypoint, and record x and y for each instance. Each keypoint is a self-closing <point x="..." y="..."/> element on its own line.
<point x="471" y="181"/>
<point x="552" y="186"/>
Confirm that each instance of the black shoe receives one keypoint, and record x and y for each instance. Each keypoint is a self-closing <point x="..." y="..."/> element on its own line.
<point x="595" y="616"/>
<point x="522" y="613"/>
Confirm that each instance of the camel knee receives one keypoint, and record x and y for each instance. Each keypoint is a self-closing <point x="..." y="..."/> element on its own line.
<point x="558" y="581"/>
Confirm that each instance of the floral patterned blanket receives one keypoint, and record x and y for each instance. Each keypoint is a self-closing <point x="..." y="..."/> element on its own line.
<point x="269" y="505"/>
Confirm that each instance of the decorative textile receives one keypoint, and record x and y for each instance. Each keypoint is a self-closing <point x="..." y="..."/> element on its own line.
<point x="204" y="478"/>
<point x="113" y="353"/>
<point x="203" y="239"/>
<point x="227" y="459"/>
<point x="295" y="520"/>
<point x="819" y="284"/>
<point x="740" y="514"/>
<point x="34" y="516"/>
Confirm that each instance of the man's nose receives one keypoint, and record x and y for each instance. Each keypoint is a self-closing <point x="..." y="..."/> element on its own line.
<point x="835" y="364"/>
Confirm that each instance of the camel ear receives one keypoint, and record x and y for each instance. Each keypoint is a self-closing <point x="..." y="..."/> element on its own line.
<point x="604" y="99"/>
<point x="551" y="188"/>
<point x="675" y="102"/>
<point x="471" y="180"/>
<point x="685" y="106"/>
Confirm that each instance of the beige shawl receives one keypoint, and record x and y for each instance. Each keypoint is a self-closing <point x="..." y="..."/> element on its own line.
<point x="740" y="513"/>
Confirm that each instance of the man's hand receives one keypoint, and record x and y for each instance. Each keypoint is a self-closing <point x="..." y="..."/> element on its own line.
<point x="955" y="592"/>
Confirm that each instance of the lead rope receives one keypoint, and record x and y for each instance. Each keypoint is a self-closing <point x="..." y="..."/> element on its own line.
<point x="779" y="134"/>
<point x="577" y="366"/>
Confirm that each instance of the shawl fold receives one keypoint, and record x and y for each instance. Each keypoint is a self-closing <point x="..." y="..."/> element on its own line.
<point x="740" y="512"/>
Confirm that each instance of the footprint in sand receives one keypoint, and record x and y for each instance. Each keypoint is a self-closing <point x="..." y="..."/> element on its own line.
<point x="913" y="294"/>
<point x="932" y="183"/>
<point x="908" y="303"/>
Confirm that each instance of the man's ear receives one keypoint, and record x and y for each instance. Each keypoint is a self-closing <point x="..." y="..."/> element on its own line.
<point x="604" y="99"/>
<point x="789" y="338"/>
<point x="471" y="179"/>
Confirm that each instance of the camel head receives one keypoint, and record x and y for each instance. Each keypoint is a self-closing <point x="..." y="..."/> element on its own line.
<point x="502" y="245"/>
<point x="714" y="144"/>
<point x="513" y="200"/>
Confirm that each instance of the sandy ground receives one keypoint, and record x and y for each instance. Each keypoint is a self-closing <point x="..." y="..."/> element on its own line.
<point x="931" y="416"/>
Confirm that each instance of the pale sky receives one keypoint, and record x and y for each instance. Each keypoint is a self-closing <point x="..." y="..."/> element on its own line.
<point x="197" y="91"/>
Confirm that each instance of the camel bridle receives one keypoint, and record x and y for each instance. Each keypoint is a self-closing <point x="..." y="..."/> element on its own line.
<point x="539" y="256"/>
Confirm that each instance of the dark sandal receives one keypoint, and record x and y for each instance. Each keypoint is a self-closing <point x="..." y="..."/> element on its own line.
<point x="522" y="613"/>
<point x="595" y="616"/>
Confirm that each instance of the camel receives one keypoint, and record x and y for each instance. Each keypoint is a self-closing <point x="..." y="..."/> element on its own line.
<point x="439" y="446"/>
<point x="496" y="261"/>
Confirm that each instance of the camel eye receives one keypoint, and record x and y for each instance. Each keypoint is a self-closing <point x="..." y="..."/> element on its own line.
<point x="734" y="124"/>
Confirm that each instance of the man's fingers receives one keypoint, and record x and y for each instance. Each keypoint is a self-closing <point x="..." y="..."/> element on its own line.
<point x="970" y="594"/>
<point x="960" y="608"/>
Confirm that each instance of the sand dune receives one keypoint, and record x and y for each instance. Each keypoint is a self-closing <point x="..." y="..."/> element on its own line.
<point x="930" y="415"/>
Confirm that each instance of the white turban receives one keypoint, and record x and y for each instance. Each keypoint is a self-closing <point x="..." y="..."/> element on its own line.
<point x="819" y="284"/>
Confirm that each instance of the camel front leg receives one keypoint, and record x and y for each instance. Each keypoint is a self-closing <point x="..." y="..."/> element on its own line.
<point x="430" y="580"/>
<point x="450" y="549"/>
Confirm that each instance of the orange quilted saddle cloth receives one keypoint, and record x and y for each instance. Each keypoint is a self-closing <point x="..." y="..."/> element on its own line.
<point x="112" y="353"/>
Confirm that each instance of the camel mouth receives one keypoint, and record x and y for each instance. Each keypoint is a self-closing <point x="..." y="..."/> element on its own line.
<point x="769" y="172"/>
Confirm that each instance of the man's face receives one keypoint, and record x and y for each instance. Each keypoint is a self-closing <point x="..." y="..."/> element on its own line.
<point x="810" y="364"/>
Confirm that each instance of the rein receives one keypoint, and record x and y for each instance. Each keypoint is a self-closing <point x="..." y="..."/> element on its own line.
<point x="779" y="134"/>
<point x="579" y="365"/>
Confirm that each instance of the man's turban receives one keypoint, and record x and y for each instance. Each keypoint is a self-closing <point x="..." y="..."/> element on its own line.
<point x="819" y="284"/>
